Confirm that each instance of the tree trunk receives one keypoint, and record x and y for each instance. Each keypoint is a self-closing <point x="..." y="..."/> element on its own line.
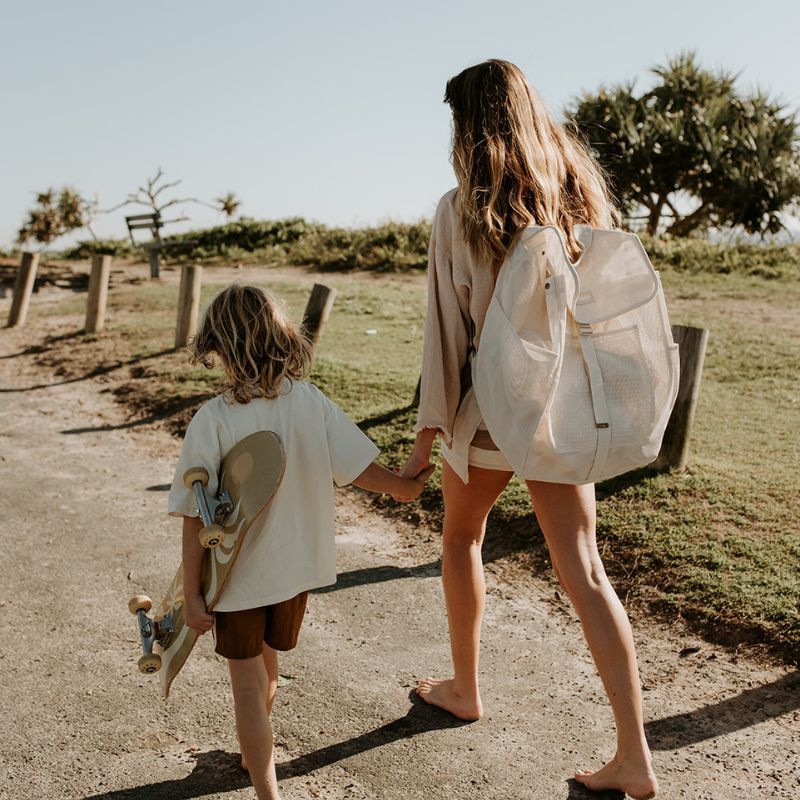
<point x="689" y="223"/>
<point x="655" y="216"/>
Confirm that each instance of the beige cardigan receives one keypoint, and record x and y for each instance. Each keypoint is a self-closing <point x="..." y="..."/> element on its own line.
<point x="460" y="288"/>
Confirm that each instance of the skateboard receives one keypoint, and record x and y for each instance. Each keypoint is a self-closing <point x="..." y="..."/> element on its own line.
<point x="249" y="477"/>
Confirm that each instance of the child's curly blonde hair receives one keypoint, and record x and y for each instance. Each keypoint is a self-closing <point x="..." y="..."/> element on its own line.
<point x="256" y="342"/>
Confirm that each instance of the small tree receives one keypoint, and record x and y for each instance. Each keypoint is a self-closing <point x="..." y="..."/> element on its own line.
<point x="149" y="195"/>
<point x="56" y="214"/>
<point x="229" y="204"/>
<point x="736" y="157"/>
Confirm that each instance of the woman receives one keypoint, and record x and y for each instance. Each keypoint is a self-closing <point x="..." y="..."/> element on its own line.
<point x="515" y="166"/>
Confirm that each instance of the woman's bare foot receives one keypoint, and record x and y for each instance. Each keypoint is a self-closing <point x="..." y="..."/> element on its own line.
<point x="443" y="695"/>
<point x="635" y="779"/>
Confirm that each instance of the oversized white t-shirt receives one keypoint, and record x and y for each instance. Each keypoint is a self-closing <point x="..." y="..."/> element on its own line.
<point x="291" y="548"/>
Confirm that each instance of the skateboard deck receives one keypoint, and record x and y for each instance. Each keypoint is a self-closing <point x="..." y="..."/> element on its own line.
<point x="249" y="476"/>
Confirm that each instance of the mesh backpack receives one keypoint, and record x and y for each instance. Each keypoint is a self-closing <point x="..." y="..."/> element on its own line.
<point x="576" y="371"/>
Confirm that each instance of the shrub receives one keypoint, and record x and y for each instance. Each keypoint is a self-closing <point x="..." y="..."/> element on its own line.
<point x="777" y="261"/>
<point x="106" y="247"/>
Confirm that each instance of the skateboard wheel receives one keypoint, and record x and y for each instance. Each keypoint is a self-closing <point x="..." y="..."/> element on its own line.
<point x="150" y="663"/>
<point x="140" y="602"/>
<point x="195" y="474"/>
<point x="211" y="536"/>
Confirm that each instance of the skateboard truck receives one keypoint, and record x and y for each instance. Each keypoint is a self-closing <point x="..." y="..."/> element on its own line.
<point x="249" y="475"/>
<point x="150" y="631"/>
<point x="213" y="510"/>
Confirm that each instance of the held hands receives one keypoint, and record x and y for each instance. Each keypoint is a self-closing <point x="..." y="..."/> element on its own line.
<point x="415" y="484"/>
<point x="196" y="615"/>
<point x="418" y="467"/>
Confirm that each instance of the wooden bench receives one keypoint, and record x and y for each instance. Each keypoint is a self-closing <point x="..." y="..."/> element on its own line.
<point x="157" y="246"/>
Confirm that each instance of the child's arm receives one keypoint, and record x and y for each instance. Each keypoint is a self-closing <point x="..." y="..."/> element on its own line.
<point x="195" y="613"/>
<point x="376" y="478"/>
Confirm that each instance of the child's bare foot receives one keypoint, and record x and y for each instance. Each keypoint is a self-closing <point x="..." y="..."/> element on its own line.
<point x="443" y="695"/>
<point x="635" y="779"/>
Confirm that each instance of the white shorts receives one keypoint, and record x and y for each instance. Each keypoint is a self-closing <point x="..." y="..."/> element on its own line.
<point x="485" y="459"/>
<point x="488" y="459"/>
<point x="482" y="457"/>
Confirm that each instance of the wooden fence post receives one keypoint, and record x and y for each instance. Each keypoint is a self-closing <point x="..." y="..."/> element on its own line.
<point x="23" y="286"/>
<point x="98" y="293"/>
<point x="155" y="261"/>
<point x="318" y="309"/>
<point x="675" y="446"/>
<point x="188" y="304"/>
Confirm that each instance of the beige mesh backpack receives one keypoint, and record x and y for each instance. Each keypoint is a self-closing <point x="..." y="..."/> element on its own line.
<point x="576" y="372"/>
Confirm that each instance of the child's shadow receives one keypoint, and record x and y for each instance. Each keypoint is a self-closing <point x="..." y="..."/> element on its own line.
<point x="421" y="718"/>
<point x="217" y="772"/>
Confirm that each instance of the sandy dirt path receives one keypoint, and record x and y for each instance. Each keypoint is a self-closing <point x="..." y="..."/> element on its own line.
<point x="84" y="527"/>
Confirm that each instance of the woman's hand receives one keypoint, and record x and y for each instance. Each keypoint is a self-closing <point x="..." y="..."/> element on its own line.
<point x="196" y="614"/>
<point x="416" y="485"/>
<point x="420" y="457"/>
<point x="419" y="462"/>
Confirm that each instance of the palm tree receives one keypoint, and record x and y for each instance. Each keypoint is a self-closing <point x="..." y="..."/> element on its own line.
<point x="229" y="204"/>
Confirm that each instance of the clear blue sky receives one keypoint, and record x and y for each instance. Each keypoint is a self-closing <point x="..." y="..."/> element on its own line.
<point x="328" y="110"/>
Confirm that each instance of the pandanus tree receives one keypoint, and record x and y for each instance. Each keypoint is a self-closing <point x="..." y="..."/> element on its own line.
<point x="229" y="204"/>
<point x="55" y="214"/>
<point x="693" y="152"/>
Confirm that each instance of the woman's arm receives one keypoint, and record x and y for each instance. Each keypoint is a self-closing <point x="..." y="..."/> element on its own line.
<point x="420" y="457"/>
<point x="447" y="333"/>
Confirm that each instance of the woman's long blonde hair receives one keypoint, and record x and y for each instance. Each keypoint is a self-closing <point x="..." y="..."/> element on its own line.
<point x="257" y="343"/>
<point x="516" y="166"/>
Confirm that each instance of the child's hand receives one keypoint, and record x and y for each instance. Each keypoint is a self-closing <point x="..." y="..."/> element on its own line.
<point x="416" y="485"/>
<point x="196" y="614"/>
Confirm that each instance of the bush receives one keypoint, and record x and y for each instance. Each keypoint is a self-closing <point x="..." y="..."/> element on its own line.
<point x="242" y="236"/>
<point x="777" y="261"/>
<point x="397" y="247"/>
<point x="388" y="248"/>
<point x="101" y="247"/>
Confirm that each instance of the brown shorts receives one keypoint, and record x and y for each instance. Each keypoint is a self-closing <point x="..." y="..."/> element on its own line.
<point x="241" y="634"/>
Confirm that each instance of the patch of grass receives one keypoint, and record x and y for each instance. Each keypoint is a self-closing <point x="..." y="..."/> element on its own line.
<point x="717" y="545"/>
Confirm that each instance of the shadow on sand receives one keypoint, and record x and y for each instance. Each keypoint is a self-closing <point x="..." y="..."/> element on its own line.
<point x="217" y="771"/>
<point x="93" y="373"/>
<point x="388" y="572"/>
<point x="743" y="710"/>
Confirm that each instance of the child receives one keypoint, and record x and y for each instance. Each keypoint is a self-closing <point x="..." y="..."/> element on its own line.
<point x="265" y="358"/>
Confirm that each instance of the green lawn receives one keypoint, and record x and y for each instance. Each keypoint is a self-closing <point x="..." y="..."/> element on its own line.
<point x="718" y="544"/>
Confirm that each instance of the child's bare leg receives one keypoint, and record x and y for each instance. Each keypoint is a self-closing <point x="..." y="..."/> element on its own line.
<point x="270" y="657"/>
<point x="250" y="684"/>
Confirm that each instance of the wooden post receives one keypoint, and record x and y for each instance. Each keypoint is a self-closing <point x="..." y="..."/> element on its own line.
<point x="675" y="446"/>
<point x="23" y="286"/>
<point x="155" y="261"/>
<point x="98" y="294"/>
<point x="318" y="309"/>
<point x="188" y="304"/>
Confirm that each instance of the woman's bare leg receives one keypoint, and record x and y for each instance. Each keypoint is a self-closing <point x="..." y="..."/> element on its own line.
<point x="250" y="682"/>
<point x="566" y="515"/>
<point x="465" y="510"/>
